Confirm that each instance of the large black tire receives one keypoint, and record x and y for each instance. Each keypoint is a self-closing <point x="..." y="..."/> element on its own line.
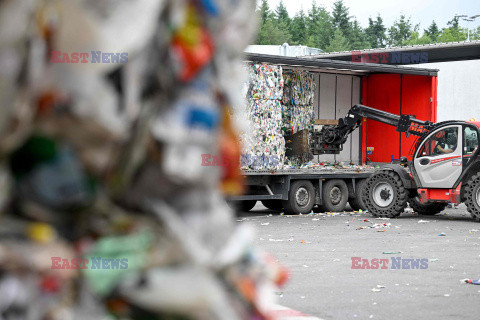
<point x="384" y="194"/>
<point x="429" y="209"/>
<point x="472" y="196"/>
<point x="356" y="202"/>
<point x="301" y="198"/>
<point x="242" y="205"/>
<point x="334" y="196"/>
<point x="275" y="205"/>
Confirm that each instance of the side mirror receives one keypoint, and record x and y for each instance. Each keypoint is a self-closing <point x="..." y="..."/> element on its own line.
<point x="403" y="161"/>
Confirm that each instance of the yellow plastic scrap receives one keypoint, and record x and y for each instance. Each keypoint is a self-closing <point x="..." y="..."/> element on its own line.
<point x="40" y="232"/>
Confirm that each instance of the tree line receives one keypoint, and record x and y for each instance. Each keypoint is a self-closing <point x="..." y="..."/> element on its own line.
<point x="339" y="31"/>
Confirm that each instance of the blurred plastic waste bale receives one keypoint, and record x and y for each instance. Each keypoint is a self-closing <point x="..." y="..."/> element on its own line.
<point x="107" y="108"/>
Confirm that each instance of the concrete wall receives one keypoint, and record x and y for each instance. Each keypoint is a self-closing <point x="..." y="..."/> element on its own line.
<point x="458" y="89"/>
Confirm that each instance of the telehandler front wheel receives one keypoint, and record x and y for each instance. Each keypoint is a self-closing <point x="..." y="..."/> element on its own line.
<point x="384" y="194"/>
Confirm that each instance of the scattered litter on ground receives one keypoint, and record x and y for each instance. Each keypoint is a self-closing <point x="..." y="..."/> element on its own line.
<point x="471" y="281"/>
<point x="473" y="230"/>
<point x="391" y="252"/>
<point x="275" y="240"/>
<point x="380" y="286"/>
<point x="442" y="234"/>
<point x="423" y="221"/>
<point x="376" y="226"/>
<point x="265" y="224"/>
<point x="446" y="295"/>
<point x="434" y="259"/>
<point x="376" y="290"/>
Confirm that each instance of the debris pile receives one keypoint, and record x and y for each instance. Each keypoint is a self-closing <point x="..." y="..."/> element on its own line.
<point x="107" y="210"/>
<point x="263" y="142"/>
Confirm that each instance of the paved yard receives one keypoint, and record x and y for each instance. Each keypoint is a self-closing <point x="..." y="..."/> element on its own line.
<point x="318" y="250"/>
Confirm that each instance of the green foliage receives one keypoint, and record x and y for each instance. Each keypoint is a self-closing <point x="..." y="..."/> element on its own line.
<point x="298" y="29"/>
<point x="432" y="32"/>
<point x="339" y="31"/>
<point x="341" y="18"/>
<point x="375" y="32"/>
<point x="358" y="37"/>
<point x="415" y="39"/>
<point x="319" y="27"/>
<point x="400" y="32"/>
<point x="338" y="43"/>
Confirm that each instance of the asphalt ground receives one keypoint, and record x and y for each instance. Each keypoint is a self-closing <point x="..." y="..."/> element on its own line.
<point x="318" y="250"/>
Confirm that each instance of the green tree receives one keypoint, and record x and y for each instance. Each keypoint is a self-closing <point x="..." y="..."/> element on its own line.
<point x="453" y="32"/>
<point x="319" y="27"/>
<point x="338" y="43"/>
<point x="341" y="18"/>
<point x="400" y="32"/>
<point x="475" y="34"/>
<point x="415" y="39"/>
<point x="432" y="32"/>
<point x="358" y="38"/>
<point x="375" y="32"/>
<point x="298" y="28"/>
<point x="271" y="34"/>
<point x="281" y="14"/>
<point x="264" y="12"/>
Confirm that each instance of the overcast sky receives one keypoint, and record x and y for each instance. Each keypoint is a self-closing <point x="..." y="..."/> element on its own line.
<point x="420" y="11"/>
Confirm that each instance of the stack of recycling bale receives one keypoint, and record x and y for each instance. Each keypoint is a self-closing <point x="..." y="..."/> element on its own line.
<point x="297" y="105"/>
<point x="263" y="142"/>
<point x="297" y="101"/>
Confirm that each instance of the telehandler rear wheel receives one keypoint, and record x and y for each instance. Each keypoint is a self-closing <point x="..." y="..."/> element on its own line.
<point x="472" y="195"/>
<point x="384" y="194"/>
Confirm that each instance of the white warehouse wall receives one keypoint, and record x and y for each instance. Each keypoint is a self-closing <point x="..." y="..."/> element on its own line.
<point x="458" y="89"/>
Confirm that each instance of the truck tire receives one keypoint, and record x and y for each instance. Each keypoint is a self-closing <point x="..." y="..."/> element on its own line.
<point x="428" y="209"/>
<point x="275" y="205"/>
<point x="472" y="196"/>
<point x="384" y="194"/>
<point x="242" y="205"/>
<point x="356" y="203"/>
<point x="334" y="196"/>
<point x="301" y="198"/>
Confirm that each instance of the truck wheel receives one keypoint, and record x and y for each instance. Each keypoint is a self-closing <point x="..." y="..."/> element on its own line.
<point x="301" y="197"/>
<point x="356" y="203"/>
<point x="273" y="204"/>
<point x="429" y="209"/>
<point x="384" y="194"/>
<point x="334" y="196"/>
<point x="242" y="205"/>
<point x="472" y="196"/>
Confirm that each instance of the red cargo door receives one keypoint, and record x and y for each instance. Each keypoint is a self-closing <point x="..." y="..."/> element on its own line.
<point x="419" y="99"/>
<point x="382" y="141"/>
